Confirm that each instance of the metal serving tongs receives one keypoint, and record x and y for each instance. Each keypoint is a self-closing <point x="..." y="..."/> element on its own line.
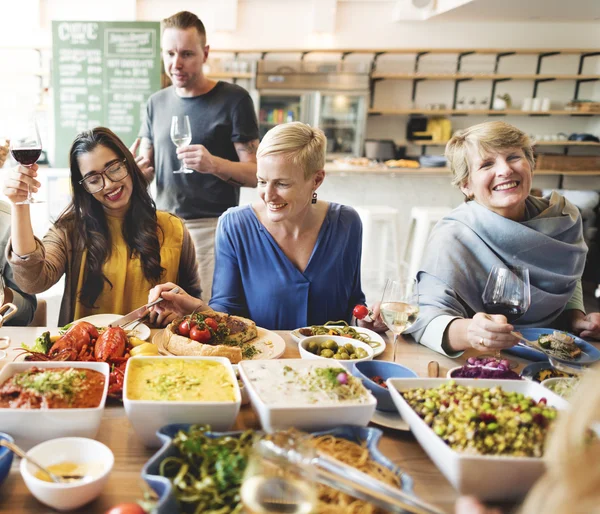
<point x="333" y="473"/>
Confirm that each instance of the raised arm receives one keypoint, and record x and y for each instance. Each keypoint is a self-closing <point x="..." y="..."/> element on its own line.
<point x="15" y="188"/>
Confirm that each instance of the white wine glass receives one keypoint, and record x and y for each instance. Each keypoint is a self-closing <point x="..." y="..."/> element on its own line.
<point x="181" y="135"/>
<point x="399" y="306"/>
<point x="26" y="147"/>
<point x="280" y="476"/>
<point x="507" y="292"/>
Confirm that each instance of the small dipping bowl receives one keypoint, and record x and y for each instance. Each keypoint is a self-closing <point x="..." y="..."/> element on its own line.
<point x="384" y="369"/>
<point x="79" y="450"/>
<point x="6" y="457"/>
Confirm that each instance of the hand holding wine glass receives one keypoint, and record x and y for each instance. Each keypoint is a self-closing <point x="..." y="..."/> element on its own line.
<point x="26" y="147"/>
<point x="507" y="292"/>
<point x="399" y="306"/>
<point x="181" y="135"/>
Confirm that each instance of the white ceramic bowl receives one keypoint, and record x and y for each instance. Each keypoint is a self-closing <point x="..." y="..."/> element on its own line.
<point x="305" y="354"/>
<point x="569" y="382"/>
<point x="489" y="477"/>
<point x="32" y="426"/>
<point x="148" y="416"/>
<point x="78" y="450"/>
<point x="285" y="412"/>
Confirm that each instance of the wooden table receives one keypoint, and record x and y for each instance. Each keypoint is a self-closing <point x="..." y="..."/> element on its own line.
<point x="130" y="455"/>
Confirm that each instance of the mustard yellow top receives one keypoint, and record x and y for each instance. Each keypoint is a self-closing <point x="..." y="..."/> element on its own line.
<point x="129" y="285"/>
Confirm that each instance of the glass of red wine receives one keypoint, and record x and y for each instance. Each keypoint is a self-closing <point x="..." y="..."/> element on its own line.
<point x="26" y="147"/>
<point x="507" y="292"/>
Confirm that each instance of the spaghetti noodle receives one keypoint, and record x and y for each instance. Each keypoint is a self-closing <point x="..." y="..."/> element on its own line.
<point x="355" y="455"/>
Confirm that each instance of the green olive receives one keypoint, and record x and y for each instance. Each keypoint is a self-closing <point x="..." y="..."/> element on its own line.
<point x="326" y="353"/>
<point x="349" y="347"/>
<point x="361" y="353"/>
<point x="337" y="356"/>
<point x="342" y="351"/>
<point x="330" y="344"/>
<point x="344" y="356"/>
<point x="313" y="347"/>
<point x="353" y="356"/>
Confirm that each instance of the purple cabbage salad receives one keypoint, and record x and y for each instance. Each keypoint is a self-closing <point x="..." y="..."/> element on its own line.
<point x="486" y="367"/>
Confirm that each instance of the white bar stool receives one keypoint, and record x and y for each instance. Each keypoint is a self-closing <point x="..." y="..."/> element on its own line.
<point x="422" y="221"/>
<point x="380" y="245"/>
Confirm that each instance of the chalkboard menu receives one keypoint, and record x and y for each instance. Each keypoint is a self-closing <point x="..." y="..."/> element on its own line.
<point x="103" y="73"/>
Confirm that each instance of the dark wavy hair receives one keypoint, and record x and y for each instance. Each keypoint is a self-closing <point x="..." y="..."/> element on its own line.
<point x="85" y="217"/>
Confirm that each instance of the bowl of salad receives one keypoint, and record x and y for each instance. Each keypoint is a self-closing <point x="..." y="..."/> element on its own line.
<point x="562" y="386"/>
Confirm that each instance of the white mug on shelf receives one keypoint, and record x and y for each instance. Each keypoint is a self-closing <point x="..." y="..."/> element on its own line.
<point x="536" y="104"/>
<point x="546" y="104"/>
<point x="526" y="104"/>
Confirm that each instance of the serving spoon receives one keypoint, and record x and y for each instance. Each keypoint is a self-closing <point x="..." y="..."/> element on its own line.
<point x="59" y="479"/>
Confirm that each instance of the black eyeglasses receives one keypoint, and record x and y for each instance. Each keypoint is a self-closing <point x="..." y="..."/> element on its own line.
<point x="95" y="182"/>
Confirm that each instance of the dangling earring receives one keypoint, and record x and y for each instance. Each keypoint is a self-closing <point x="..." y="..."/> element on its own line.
<point x="314" y="197"/>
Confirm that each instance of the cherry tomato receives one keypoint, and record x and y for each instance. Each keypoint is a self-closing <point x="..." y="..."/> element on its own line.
<point x="200" y="335"/>
<point x="360" y="311"/>
<point x="126" y="508"/>
<point x="211" y="323"/>
<point x="184" y="328"/>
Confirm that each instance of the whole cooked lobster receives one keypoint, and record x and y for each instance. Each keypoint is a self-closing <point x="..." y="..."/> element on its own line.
<point x="82" y="342"/>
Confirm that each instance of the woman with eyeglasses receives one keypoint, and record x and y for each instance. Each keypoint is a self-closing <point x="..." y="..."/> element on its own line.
<point x="110" y="242"/>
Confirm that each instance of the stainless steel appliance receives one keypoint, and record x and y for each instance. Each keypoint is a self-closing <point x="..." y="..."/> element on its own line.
<point x="332" y="96"/>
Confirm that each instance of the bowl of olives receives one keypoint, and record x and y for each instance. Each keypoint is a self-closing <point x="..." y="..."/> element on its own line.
<point x="342" y="349"/>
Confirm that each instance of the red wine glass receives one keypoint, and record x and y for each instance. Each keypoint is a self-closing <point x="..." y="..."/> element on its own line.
<point x="507" y="292"/>
<point x="26" y="147"/>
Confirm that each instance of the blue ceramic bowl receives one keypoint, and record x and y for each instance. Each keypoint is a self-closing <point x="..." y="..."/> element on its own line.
<point x="6" y="457"/>
<point x="167" y="503"/>
<point x="384" y="369"/>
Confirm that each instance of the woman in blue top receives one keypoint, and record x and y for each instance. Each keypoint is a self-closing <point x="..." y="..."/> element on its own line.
<point x="288" y="260"/>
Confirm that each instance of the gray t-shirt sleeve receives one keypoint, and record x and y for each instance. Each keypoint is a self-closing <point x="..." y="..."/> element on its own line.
<point x="245" y="125"/>
<point x="146" y="128"/>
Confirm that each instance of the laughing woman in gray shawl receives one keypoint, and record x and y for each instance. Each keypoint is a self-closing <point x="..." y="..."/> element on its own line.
<point x="500" y="223"/>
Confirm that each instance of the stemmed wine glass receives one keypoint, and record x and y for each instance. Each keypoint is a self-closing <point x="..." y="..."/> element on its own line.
<point x="507" y="292"/>
<point x="181" y="135"/>
<point x="280" y="475"/>
<point x="26" y="147"/>
<point x="399" y="306"/>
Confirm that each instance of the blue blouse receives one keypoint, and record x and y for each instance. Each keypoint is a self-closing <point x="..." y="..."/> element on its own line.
<point x="255" y="279"/>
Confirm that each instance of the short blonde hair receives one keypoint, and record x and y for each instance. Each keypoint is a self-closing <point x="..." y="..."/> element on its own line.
<point x="185" y="20"/>
<point x="301" y="144"/>
<point x="484" y="138"/>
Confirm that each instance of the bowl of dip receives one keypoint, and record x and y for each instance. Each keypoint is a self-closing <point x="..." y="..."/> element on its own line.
<point x="306" y="394"/>
<point x="68" y="456"/>
<point x="159" y="391"/>
<point x="55" y="399"/>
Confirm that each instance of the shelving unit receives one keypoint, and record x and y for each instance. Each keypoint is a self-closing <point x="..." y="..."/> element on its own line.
<point x="475" y="112"/>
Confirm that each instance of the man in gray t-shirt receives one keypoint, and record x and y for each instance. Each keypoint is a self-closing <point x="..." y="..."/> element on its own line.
<point x="222" y="152"/>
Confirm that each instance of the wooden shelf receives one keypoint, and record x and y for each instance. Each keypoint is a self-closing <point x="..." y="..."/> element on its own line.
<point x="404" y="51"/>
<point x="230" y="75"/>
<point x="479" y="76"/>
<point x="477" y="112"/>
<point x="537" y="143"/>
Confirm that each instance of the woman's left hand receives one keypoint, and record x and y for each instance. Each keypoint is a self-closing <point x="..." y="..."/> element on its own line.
<point x="586" y="326"/>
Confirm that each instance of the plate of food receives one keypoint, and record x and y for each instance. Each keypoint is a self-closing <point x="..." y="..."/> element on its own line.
<point x="211" y="333"/>
<point x="341" y="328"/>
<point x="355" y="446"/>
<point x="562" y="346"/>
<point x="102" y="321"/>
<point x="391" y="420"/>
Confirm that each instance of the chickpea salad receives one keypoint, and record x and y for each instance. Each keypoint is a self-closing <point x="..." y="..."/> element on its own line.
<point x="481" y="420"/>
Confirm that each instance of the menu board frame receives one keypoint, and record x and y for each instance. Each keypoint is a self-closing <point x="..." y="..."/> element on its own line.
<point x="102" y="75"/>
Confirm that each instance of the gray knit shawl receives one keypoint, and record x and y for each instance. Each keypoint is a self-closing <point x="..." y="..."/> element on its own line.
<point x="465" y="245"/>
